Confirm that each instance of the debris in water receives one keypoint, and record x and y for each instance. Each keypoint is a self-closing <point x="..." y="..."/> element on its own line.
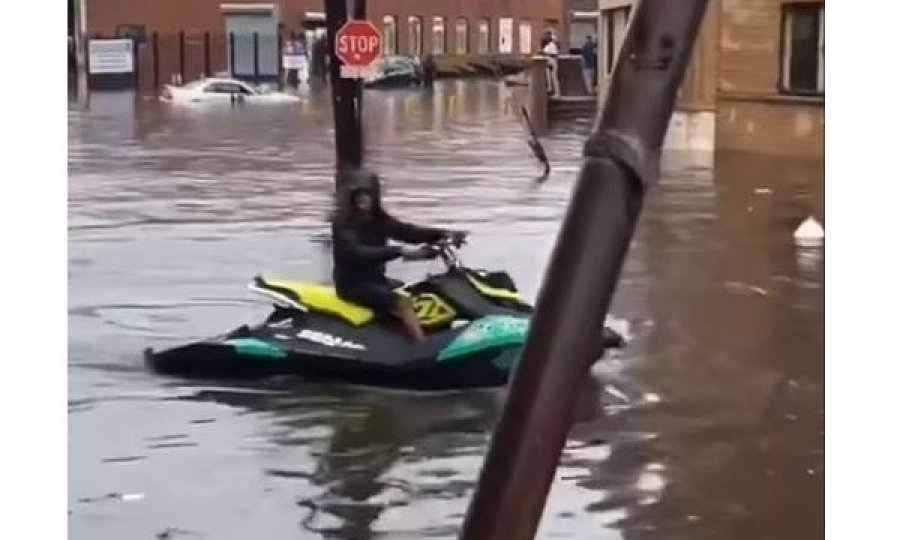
<point x="113" y="495"/>
<point x="612" y="390"/>
<point x="809" y="233"/>
<point x="651" y="397"/>
<point x="762" y="191"/>
<point x="170" y="532"/>
<point x="739" y="285"/>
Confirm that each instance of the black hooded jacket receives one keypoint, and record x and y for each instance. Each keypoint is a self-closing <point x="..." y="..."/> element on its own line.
<point x="359" y="244"/>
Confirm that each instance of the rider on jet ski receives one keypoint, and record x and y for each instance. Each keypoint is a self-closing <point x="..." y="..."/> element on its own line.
<point x="360" y="231"/>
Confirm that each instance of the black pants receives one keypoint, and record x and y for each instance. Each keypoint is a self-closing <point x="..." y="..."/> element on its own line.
<point x="378" y="295"/>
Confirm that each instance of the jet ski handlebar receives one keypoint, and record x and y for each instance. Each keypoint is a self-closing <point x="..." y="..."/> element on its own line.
<point x="445" y="248"/>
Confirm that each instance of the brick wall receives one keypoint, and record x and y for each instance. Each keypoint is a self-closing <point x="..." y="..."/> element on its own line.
<point x="777" y="127"/>
<point x="751" y="113"/>
<point x="197" y="16"/>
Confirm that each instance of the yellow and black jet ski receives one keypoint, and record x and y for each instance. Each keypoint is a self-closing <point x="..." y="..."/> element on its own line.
<point x="475" y="321"/>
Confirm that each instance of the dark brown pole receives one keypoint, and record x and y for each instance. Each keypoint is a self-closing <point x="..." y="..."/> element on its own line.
<point x="278" y="53"/>
<point x="346" y="94"/>
<point x="155" y="39"/>
<point x="181" y="57"/>
<point x="255" y="58"/>
<point x="207" y="61"/>
<point x="231" y="54"/>
<point x="621" y="159"/>
<point x="136" y="62"/>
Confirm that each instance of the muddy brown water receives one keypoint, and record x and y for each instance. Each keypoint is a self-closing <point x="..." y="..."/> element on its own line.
<point x="709" y="425"/>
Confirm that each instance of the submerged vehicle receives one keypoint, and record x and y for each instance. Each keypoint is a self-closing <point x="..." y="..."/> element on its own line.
<point x="475" y="321"/>
<point x="224" y="90"/>
<point x="395" y="72"/>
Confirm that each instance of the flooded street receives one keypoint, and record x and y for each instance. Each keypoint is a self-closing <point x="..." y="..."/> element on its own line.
<point x="709" y="425"/>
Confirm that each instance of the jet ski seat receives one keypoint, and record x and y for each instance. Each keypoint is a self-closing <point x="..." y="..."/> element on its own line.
<point x="312" y="297"/>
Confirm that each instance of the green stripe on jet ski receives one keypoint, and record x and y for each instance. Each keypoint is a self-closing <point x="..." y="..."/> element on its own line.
<point x="255" y="347"/>
<point x="492" y="331"/>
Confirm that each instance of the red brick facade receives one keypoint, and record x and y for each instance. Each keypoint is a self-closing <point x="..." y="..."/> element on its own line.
<point x="105" y="17"/>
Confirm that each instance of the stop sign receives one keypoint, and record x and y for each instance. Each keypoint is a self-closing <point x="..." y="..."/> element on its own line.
<point x="358" y="43"/>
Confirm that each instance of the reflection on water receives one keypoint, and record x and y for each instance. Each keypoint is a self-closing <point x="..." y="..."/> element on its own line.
<point x="709" y="425"/>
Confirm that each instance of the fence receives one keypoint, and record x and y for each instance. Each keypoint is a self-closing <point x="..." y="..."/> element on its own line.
<point x="183" y="57"/>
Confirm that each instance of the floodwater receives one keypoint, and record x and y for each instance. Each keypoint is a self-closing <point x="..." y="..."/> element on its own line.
<point x="709" y="425"/>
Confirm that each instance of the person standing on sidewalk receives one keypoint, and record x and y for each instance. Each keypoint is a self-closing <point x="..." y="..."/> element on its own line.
<point x="589" y="62"/>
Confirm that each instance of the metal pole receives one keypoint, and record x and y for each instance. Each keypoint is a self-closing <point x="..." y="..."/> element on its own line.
<point x="155" y="40"/>
<point x="136" y="62"/>
<point x="231" y="54"/>
<point x="81" y="60"/>
<point x="278" y="59"/>
<point x="346" y="94"/>
<point x="621" y="159"/>
<point x="181" y="57"/>
<point x="207" y="63"/>
<point x="255" y="58"/>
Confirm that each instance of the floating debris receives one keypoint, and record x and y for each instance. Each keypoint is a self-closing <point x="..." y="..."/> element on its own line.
<point x="739" y="285"/>
<point x="762" y="191"/>
<point x="612" y="390"/>
<point x="810" y="233"/>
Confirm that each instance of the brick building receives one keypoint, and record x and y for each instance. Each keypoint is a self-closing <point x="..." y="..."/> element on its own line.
<point x="756" y="79"/>
<point x="410" y="27"/>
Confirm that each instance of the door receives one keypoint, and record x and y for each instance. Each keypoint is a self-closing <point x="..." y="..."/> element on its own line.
<point x="242" y="26"/>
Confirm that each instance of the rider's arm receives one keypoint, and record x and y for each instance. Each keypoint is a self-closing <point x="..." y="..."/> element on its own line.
<point x="347" y="238"/>
<point x="412" y="234"/>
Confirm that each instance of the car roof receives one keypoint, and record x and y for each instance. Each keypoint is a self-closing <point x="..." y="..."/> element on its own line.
<point x="224" y="80"/>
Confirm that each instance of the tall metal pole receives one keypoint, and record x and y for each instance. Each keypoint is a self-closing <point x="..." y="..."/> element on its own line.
<point x="621" y="160"/>
<point x="346" y="94"/>
<point x="181" y="58"/>
<point x="81" y="53"/>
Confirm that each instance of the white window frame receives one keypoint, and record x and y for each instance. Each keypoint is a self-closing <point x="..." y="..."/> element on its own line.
<point x="389" y="21"/>
<point x="438" y="26"/>
<point x="786" y="29"/>
<point x="484" y="24"/>
<point x="414" y="21"/>
<point x="461" y="46"/>
<point x="529" y="32"/>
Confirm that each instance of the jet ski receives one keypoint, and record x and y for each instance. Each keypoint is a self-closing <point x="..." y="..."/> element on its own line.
<point x="475" y="322"/>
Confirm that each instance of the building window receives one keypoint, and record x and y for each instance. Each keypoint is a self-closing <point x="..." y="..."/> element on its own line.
<point x="415" y="35"/>
<point x="462" y="36"/>
<point x="484" y="36"/>
<point x="524" y="37"/>
<point x="438" y="37"/>
<point x="389" y="29"/>
<point x="505" y="31"/>
<point x="615" y="22"/>
<point x="803" y="49"/>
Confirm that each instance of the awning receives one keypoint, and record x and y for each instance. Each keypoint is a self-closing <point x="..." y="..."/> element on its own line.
<point x="248" y="8"/>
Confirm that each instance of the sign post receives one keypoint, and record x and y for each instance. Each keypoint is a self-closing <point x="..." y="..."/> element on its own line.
<point x="358" y="44"/>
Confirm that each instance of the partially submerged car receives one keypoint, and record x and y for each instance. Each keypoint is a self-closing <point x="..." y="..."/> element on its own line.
<point x="395" y="72"/>
<point x="223" y="90"/>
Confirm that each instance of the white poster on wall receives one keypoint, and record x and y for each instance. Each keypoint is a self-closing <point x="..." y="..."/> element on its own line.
<point x="110" y="56"/>
<point x="505" y="45"/>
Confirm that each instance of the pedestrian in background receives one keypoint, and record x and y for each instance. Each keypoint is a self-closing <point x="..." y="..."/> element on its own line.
<point x="551" y="51"/>
<point x="589" y="62"/>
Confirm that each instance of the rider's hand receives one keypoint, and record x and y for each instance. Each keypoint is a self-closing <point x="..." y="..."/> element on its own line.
<point x="457" y="238"/>
<point x="419" y="254"/>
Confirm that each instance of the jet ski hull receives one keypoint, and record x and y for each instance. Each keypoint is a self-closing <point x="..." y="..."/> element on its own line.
<point x="378" y="355"/>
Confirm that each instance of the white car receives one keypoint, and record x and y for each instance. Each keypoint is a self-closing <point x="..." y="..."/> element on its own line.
<point x="223" y="91"/>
